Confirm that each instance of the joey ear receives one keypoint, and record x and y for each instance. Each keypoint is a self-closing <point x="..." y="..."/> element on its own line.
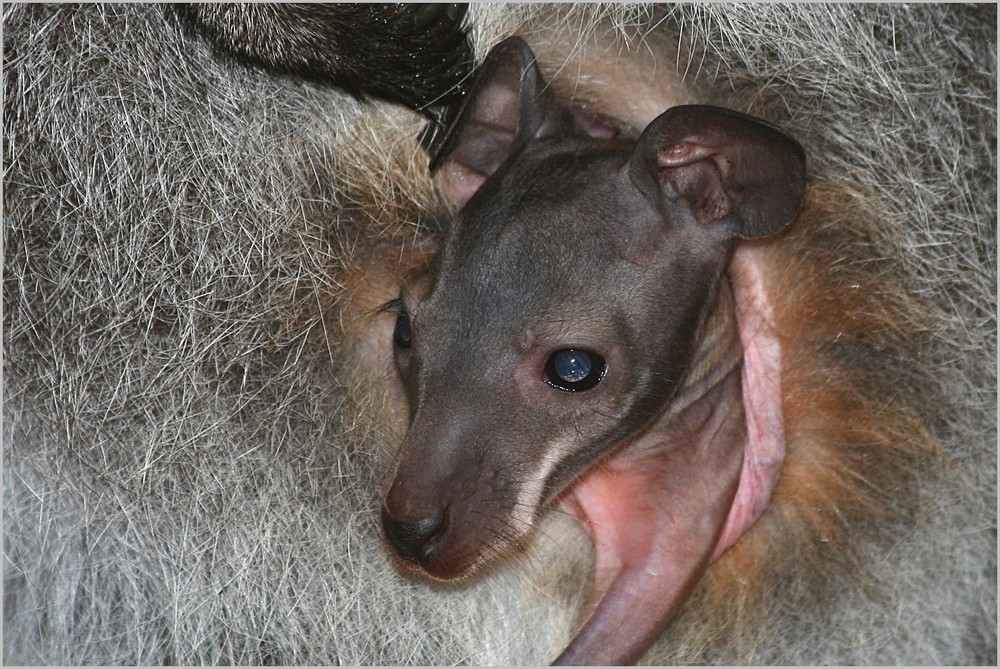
<point x="731" y="170"/>
<point x="506" y="107"/>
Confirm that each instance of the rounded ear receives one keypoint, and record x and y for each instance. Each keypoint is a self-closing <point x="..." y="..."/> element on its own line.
<point x="731" y="170"/>
<point x="505" y="108"/>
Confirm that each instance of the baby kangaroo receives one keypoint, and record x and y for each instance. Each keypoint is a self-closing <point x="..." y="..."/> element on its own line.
<point x="588" y="337"/>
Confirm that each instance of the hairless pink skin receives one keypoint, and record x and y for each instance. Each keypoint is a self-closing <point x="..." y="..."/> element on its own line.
<point x="664" y="504"/>
<point x="765" y="441"/>
<point x="663" y="508"/>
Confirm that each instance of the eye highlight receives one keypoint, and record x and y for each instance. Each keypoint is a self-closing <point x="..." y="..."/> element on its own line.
<point x="574" y="370"/>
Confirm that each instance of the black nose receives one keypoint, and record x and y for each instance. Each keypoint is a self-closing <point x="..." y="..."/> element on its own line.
<point x="414" y="541"/>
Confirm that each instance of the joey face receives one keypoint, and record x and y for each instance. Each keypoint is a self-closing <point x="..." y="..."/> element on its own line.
<point x="541" y="342"/>
<point x="558" y="325"/>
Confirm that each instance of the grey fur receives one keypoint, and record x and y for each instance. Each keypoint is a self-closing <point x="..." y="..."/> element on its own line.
<point x="192" y="473"/>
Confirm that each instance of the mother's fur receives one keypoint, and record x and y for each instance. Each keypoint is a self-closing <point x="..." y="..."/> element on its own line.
<point x="199" y="415"/>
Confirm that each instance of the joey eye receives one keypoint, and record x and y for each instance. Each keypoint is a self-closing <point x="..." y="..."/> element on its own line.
<point x="574" y="370"/>
<point x="404" y="333"/>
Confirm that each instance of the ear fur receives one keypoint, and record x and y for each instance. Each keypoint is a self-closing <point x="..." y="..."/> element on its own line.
<point x="506" y="107"/>
<point x="732" y="170"/>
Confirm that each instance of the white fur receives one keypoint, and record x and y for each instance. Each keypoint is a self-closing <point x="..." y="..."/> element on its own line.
<point x="191" y="476"/>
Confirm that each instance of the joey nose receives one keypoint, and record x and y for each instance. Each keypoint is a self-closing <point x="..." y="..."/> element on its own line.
<point x="414" y="540"/>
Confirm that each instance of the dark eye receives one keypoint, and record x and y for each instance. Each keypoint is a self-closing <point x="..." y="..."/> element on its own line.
<point x="403" y="334"/>
<point x="574" y="370"/>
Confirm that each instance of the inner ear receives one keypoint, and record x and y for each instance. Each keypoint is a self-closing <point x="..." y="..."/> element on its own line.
<point x="731" y="170"/>
<point x="505" y="108"/>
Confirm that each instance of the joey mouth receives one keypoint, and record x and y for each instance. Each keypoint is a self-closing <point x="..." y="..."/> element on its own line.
<point x="554" y="221"/>
<point x="660" y="506"/>
<point x="451" y="528"/>
<point x="668" y="496"/>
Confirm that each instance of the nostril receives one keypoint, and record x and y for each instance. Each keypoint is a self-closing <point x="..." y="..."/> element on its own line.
<point x="415" y="540"/>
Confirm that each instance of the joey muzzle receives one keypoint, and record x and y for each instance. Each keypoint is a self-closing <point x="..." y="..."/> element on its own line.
<point x="448" y="508"/>
<point x="570" y="240"/>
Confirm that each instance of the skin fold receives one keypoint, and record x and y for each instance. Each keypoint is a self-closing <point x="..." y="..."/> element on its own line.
<point x="205" y="217"/>
<point x="671" y="406"/>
